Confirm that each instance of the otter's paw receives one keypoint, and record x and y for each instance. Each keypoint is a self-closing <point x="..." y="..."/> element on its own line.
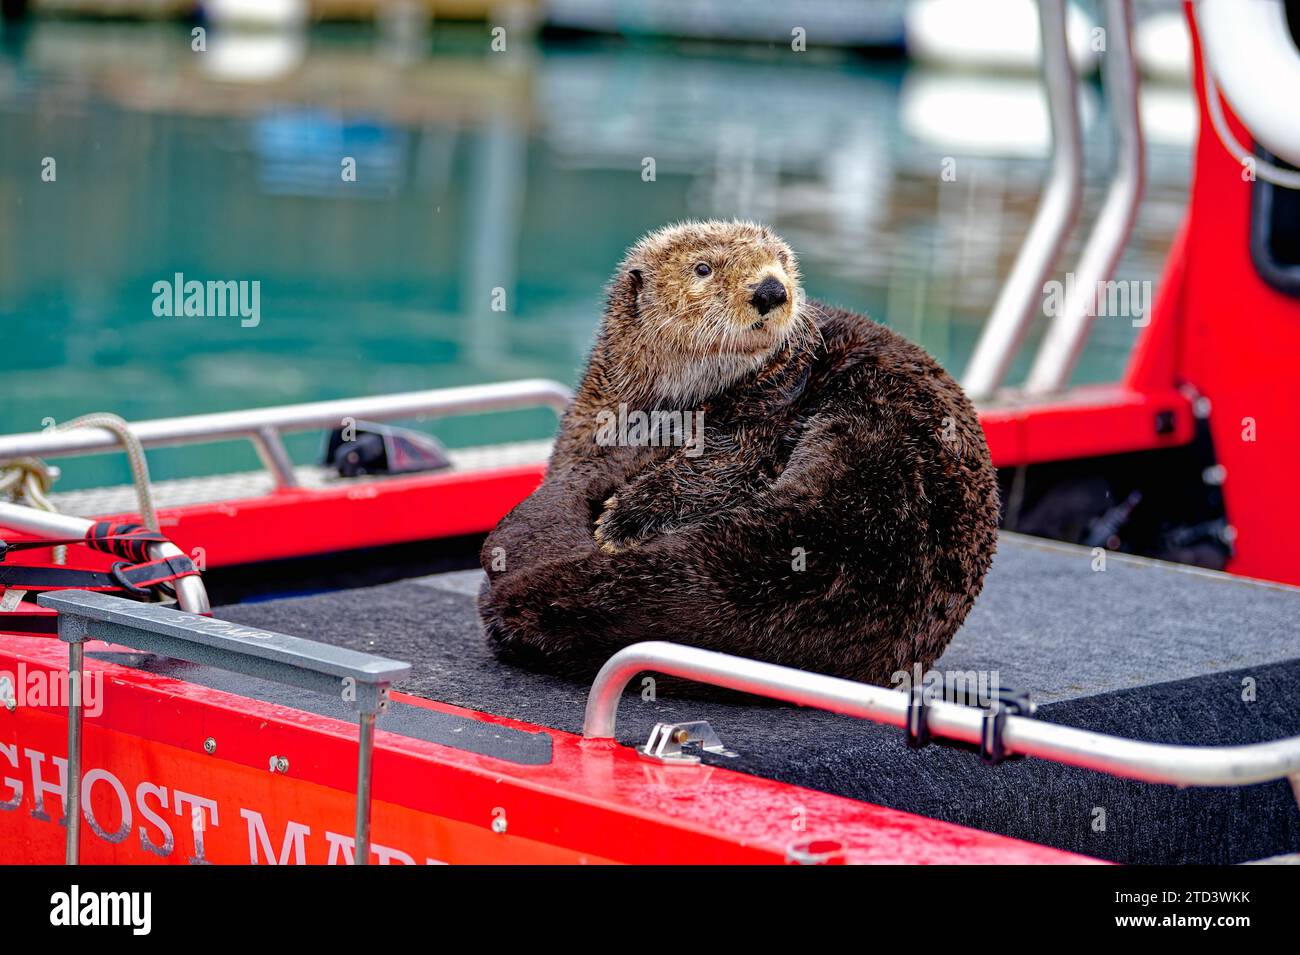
<point x="614" y="532"/>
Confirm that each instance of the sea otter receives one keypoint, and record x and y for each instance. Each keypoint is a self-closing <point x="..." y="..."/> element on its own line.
<point x="750" y="471"/>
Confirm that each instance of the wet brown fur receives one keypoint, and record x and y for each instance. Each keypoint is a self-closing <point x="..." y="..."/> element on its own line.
<point x="825" y="434"/>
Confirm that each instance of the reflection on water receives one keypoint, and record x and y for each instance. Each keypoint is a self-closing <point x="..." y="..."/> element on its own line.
<point x="516" y="175"/>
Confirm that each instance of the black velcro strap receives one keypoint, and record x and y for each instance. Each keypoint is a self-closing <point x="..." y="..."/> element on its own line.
<point x="29" y="619"/>
<point x="154" y="572"/>
<point x="135" y="579"/>
<point x="1008" y="703"/>
<point x="918" y="719"/>
<point x="55" y="577"/>
<point x="992" y="749"/>
<point x="7" y="547"/>
<point x="123" y="540"/>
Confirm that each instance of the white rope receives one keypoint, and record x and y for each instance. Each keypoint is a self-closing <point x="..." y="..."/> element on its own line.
<point x="31" y="478"/>
<point x="134" y="456"/>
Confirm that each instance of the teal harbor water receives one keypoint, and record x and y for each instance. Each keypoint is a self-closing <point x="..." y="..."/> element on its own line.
<point x="522" y="172"/>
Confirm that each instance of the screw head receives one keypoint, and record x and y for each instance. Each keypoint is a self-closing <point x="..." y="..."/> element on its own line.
<point x="210" y="745"/>
<point x="816" y="852"/>
<point x="499" y="824"/>
<point x="279" y="764"/>
<point x="681" y="736"/>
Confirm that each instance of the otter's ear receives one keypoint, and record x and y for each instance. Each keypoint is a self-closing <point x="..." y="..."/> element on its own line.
<point x="630" y="288"/>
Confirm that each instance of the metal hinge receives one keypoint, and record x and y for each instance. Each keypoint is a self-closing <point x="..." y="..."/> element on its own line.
<point x="667" y="739"/>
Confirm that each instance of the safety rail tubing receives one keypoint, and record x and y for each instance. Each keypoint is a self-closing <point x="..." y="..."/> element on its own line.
<point x="1064" y="341"/>
<point x="362" y="679"/>
<point x="1022" y="293"/>
<point x="191" y="594"/>
<point x="265" y="426"/>
<point x="1131" y="759"/>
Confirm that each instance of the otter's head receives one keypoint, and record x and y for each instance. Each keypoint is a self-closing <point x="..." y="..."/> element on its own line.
<point x="698" y="305"/>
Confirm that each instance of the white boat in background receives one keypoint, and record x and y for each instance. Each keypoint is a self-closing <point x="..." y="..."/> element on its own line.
<point x="266" y="14"/>
<point x="1003" y="35"/>
<point x="992" y="34"/>
<point x="1163" y="46"/>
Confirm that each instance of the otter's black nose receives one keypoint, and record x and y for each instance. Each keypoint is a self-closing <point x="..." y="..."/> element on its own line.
<point x="768" y="295"/>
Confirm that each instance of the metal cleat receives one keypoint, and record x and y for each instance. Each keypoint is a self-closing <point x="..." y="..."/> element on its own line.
<point x="667" y="739"/>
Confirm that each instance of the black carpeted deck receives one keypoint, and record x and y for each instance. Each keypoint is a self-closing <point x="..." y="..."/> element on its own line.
<point x="1144" y="650"/>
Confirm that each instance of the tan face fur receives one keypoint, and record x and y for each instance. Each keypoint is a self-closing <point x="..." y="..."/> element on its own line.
<point x="698" y="305"/>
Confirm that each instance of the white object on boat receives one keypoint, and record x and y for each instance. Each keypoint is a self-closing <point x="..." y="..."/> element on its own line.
<point x="259" y="13"/>
<point x="995" y="34"/>
<point x="1250" y="52"/>
<point x="252" y="56"/>
<point x="981" y="115"/>
<point x="1169" y="116"/>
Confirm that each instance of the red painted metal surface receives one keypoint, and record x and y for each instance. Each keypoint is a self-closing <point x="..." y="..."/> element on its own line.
<point x="1237" y="340"/>
<point x="301" y="522"/>
<point x="146" y="770"/>
<point x="1086" y="422"/>
<point x="1218" y="331"/>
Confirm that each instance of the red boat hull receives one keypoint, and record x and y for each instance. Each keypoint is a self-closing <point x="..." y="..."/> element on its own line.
<point x="153" y="794"/>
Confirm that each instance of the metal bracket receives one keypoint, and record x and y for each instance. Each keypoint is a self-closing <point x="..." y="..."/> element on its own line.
<point x="667" y="739"/>
<point x="361" y="678"/>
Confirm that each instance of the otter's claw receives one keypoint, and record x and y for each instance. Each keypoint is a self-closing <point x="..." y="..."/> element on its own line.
<point x="611" y="537"/>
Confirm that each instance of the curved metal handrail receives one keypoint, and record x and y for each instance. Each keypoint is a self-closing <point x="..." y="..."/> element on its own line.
<point x="264" y="426"/>
<point x="1130" y="759"/>
<point x="1066" y="336"/>
<point x="1022" y="292"/>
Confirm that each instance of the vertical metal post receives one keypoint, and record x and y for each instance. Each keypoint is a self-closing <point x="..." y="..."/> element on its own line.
<point x="72" y="794"/>
<point x="365" y="770"/>
<point x="1068" y="334"/>
<point x="1022" y="294"/>
<point x="270" y="448"/>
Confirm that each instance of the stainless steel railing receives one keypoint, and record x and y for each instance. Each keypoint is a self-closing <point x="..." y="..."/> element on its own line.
<point x="1068" y="334"/>
<point x="1131" y="759"/>
<point x="265" y="426"/>
<point x="1022" y="293"/>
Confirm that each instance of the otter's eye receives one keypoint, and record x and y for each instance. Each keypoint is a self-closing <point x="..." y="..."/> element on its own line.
<point x="702" y="269"/>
